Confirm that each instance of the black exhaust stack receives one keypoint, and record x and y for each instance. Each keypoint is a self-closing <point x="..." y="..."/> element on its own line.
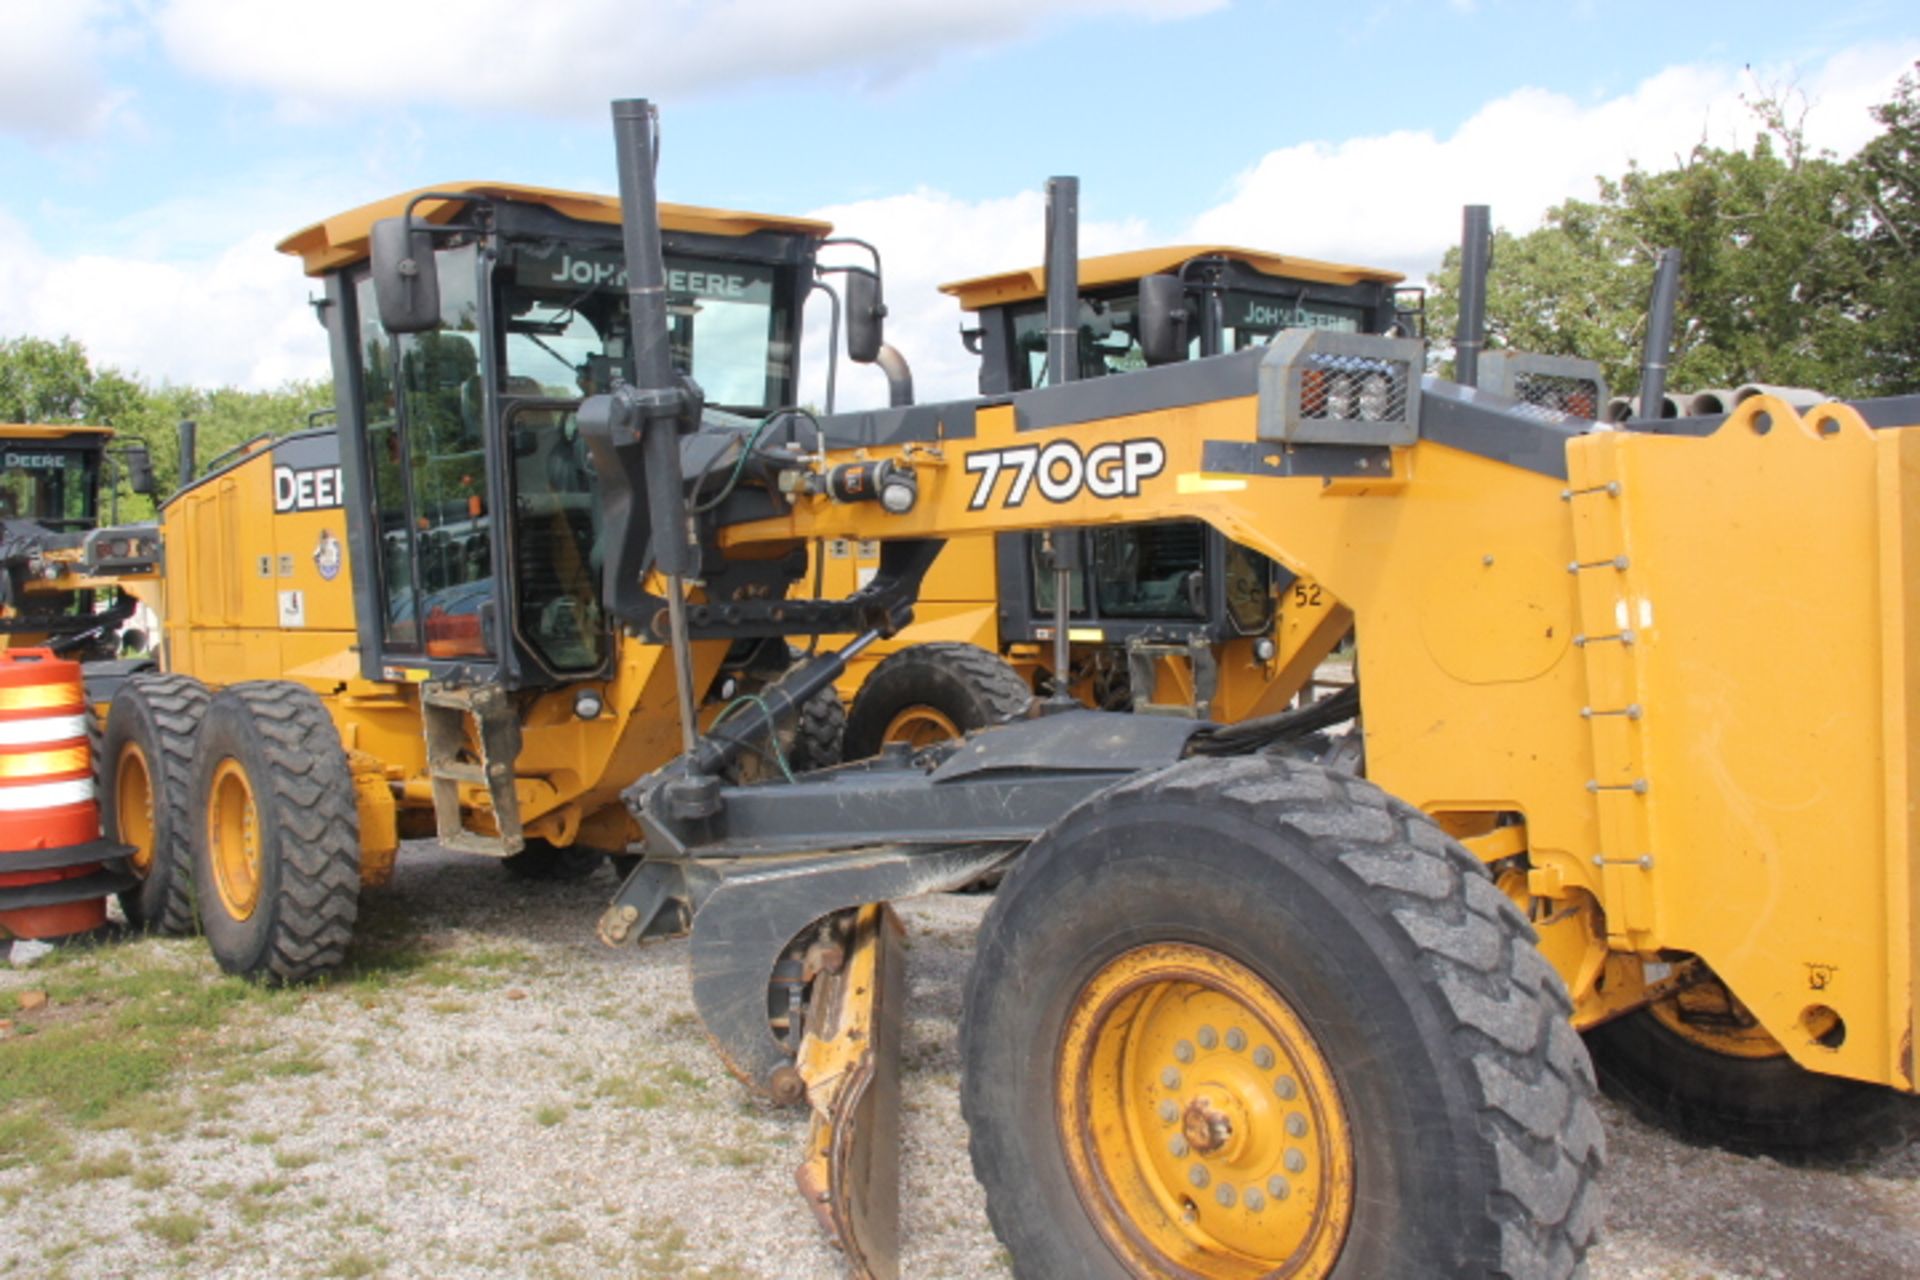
<point x="634" y="432"/>
<point x="1476" y="255"/>
<point x="1659" y="348"/>
<point x="189" y="436"/>
<point x="1063" y="366"/>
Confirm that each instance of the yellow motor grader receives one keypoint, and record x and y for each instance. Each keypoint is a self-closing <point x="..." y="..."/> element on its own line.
<point x="59" y="582"/>
<point x="390" y="627"/>
<point x="1237" y="1012"/>
<point x="1167" y="616"/>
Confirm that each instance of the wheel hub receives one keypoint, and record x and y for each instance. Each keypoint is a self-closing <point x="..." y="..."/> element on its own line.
<point x="1203" y="1126"/>
<point x="233" y="833"/>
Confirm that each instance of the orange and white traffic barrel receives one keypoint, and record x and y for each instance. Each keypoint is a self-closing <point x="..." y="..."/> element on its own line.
<point x="55" y="870"/>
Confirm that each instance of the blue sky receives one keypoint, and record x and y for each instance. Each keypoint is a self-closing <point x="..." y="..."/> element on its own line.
<point x="151" y="150"/>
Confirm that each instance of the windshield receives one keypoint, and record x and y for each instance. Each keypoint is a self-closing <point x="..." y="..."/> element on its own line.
<point x="1252" y="319"/>
<point x="1109" y="327"/>
<point x="564" y="307"/>
<point x="48" y="484"/>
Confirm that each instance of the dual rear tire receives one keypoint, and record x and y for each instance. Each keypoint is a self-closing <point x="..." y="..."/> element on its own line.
<point x="241" y="811"/>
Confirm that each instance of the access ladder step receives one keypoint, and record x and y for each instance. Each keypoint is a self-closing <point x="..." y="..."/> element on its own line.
<point x="473" y="740"/>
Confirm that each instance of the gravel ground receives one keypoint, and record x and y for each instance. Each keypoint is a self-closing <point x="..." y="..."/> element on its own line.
<point x="502" y="1096"/>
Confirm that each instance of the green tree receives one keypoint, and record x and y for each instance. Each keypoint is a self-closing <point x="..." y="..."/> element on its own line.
<point x="1889" y="171"/>
<point x="47" y="381"/>
<point x="1795" y="266"/>
<point x="54" y="381"/>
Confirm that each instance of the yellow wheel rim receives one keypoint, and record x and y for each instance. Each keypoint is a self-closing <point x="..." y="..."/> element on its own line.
<point x="233" y="834"/>
<point x="133" y="805"/>
<point x="1202" y="1126"/>
<point x="1708" y="1015"/>
<point x="921" y="726"/>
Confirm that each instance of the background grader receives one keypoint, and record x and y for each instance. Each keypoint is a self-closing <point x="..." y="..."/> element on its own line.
<point x="1166" y="616"/>
<point x="57" y="578"/>
<point x="1234" y="1013"/>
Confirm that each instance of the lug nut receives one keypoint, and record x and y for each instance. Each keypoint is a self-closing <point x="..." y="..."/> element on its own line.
<point x="1197" y="1174"/>
<point x="1286" y="1088"/>
<point x="1263" y="1058"/>
<point x="1184" y="1051"/>
<point x="1207" y="1038"/>
<point x="1296" y="1160"/>
<point x="1296" y="1125"/>
<point x="1169" y="1111"/>
<point x="1170" y="1078"/>
<point x="1224" y="1195"/>
<point x="1254" y="1200"/>
<point x="1178" y="1145"/>
<point x="1278" y="1187"/>
<point x="1236" y="1039"/>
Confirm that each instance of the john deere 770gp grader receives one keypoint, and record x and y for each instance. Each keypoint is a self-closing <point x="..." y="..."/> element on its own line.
<point x="1635" y="712"/>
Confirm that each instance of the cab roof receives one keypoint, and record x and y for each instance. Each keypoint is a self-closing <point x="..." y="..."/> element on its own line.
<point x="52" y="431"/>
<point x="342" y="239"/>
<point x="1117" y="268"/>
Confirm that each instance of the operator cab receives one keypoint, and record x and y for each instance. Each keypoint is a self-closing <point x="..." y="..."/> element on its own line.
<point x="449" y="419"/>
<point x="1168" y="581"/>
<point x="51" y="475"/>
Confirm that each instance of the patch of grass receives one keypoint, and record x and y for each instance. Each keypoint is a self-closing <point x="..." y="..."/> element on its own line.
<point x="294" y="1159"/>
<point x="625" y="1091"/>
<point x="679" y="1075"/>
<point x="300" y="1064"/>
<point x="563" y="1233"/>
<point x="389" y="955"/>
<point x="548" y="1114"/>
<point x="451" y="1006"/>
<point x="120" y="1022"/>
<point x="355" y="1266"/>
<point x="261" y="1138"/>
<point x="174" y="1228"/>
<point x="266" y="1188"/>
<point x="29" y="1139"/>
<point x="152" y="1178"/>
<point x="116" y="1164"/>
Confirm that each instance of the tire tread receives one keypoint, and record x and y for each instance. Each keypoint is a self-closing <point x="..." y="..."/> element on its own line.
<point x="1508" y="1012"/>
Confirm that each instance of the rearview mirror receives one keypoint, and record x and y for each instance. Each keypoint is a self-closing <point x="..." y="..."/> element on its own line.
<point x="404" y="280"/>
<point x="139" y="469"/>
<point x="866" y="316"/>
<point x="1164" y="319"/>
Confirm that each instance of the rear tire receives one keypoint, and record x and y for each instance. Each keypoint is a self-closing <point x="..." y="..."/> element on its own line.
<point x="928" y="693"/>
<point x="1449" y="1078"/>
<point x="1752" y="1105"/>
<point x="145" y="770"/>
<point x="813" y="740"/>
<point x="276" y="834"/>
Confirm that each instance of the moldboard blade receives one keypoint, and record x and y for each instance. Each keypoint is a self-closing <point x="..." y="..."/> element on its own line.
<point x="851" y="1063"/>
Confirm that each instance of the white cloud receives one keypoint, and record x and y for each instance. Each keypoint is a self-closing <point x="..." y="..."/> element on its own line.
<point x="511" y="55"/>
<point x="1394" y="199"/>
<point x="52" y="84"/>
<point x="233" y="318"/>
<point x="927" y="239"/>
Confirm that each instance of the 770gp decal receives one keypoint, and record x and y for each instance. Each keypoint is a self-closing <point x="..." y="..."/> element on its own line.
<point x="1060" y="471"/>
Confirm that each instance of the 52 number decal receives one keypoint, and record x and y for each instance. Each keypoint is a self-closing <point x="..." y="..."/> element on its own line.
<point x="1061" y="472"/>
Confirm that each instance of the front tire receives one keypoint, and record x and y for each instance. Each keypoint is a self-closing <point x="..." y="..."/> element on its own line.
<point x="276" y="834"/>
<point x="930" y="693"/>
<point x="145" y="767"/>
<point x="1244" y="1017"/>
